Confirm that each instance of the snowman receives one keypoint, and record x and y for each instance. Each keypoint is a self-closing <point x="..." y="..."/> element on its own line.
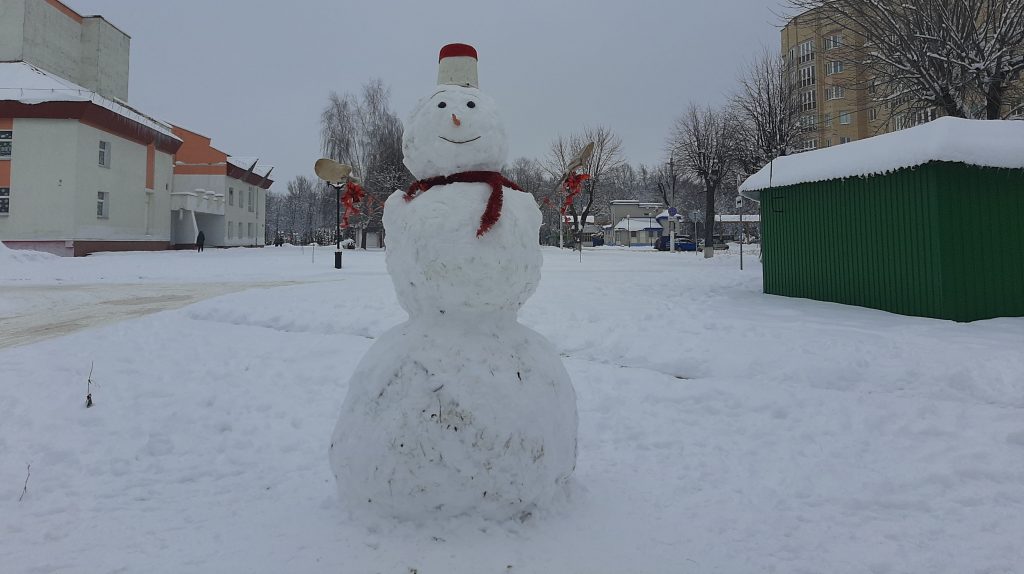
<point x="461" y="409"/>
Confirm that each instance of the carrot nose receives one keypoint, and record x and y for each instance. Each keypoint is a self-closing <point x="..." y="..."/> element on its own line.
<point x="456" y="120"/>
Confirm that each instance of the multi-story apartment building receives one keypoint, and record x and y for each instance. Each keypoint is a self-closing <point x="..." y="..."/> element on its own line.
<point x="835" y="106"/>
<point x="838" y="97"/>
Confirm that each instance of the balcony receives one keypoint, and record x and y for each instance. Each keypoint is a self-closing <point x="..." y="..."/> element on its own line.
<point x="198" y="201"/>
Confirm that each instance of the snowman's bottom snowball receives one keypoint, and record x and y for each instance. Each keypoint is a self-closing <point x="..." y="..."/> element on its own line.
<point x="456" y="416"/>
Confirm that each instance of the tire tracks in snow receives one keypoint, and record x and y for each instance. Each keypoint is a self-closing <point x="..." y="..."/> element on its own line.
<point x="50" y="312"/>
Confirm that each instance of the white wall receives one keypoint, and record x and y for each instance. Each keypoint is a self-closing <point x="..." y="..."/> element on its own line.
<point x="239" y="213"/>
<point x="125" y="181"/>
<point x="104" y="62"/>
<point x="52" y="40"/>
<point x="12" y="23"/>
<point x="43" y="181"/>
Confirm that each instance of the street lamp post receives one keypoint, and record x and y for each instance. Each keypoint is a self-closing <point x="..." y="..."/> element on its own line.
<point x="335" y="175"/>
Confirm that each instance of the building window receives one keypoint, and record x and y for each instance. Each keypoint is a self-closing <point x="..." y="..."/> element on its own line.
<point x="924" y="116"/>
<point x="845" y="139"/>
<point x="6" y="143"/>
<point x="250" y="202"/>
<point x="231" y="230"/>
<point x="873" y="114"/>
<point x="807" y="52"/>
<point x="239" y="229"/>
<point x="806" y="76"/>
<point x="104" y="153"/>
<point x="5" y="200"/>
<point x="844" y="117"/>
<point x="833" y="41"/>
<point x="833" y="67"/>
<point x="231" y="196"/>
<point x="828" y="142"/>
<point x="102" y="204"/>
<point x="835" y="93"/>
<point x="250" y="229"/>
<point x="809" y="101"/>
<point x="828" y="119"/>
<point x="808" y="144"/>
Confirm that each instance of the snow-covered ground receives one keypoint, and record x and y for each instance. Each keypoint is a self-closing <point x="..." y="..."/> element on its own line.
<point x="721" y="429"/>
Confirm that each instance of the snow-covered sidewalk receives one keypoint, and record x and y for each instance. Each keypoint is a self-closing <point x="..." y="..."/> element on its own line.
<point x="721" y="430"/>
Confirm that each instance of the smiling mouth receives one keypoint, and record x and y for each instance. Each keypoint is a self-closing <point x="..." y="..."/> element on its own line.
<point x="455" y="142"/>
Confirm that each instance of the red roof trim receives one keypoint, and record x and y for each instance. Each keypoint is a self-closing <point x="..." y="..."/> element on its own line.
<point x="454" y="50"/>
<point x="96" y="116"/>
<point x="250" y="178"/>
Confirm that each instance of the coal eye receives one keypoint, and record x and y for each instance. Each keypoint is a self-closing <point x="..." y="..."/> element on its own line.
<point x="471" y="105"/>
<point x="441" y="104"/>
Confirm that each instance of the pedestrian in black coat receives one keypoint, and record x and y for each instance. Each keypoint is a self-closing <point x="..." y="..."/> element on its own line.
<point x="200" y="240"/>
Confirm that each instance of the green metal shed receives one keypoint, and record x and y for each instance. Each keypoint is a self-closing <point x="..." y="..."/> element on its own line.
<point x="927" y="221"/>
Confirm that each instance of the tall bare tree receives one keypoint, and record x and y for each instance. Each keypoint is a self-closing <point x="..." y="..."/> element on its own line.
<point x="705" y="141"/>
<point x="363" y="132"/>
<point x="963" y="57"/>
<point x="607" y="157"/>
<point x="767" y="104"/>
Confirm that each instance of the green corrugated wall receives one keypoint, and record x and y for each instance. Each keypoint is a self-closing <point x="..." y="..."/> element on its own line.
<point x="943" y="240"/>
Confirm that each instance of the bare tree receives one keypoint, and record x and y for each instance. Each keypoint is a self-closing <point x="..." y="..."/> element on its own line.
<point x="530" y="176"/>
<point x="705" y="142"/>
<point x="768" y="107"/>
<point x="364" y="133"/>
<point x="963" y="57"/>
<point x="606" y="158"/>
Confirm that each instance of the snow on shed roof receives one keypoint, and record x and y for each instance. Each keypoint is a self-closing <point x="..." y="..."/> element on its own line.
<point x="988" y="143"/>
<point x="25" y="83"/>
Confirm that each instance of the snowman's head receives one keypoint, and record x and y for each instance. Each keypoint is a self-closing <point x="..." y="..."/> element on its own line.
<point x="454" y="129"/>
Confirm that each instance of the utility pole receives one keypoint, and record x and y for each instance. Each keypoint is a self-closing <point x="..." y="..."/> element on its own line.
<point x="672" y="218"/>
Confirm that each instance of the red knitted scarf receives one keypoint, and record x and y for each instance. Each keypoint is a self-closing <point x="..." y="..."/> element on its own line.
<point x="491" y="178"/>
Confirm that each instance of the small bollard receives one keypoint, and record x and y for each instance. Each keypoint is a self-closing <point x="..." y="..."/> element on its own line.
<point x="337" y="258"/>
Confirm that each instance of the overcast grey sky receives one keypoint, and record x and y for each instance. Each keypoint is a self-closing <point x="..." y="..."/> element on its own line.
<point x="255" y="74"/>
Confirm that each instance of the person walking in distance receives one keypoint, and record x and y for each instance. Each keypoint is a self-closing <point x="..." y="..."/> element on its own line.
<point x="200" y="240"/>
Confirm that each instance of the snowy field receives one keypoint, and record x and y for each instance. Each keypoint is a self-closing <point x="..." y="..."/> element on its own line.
<point x="721" y="429"/>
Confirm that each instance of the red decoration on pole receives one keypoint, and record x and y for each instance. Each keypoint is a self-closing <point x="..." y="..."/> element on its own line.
<point x="574" y="185"/>
<point x="353" y="194"/>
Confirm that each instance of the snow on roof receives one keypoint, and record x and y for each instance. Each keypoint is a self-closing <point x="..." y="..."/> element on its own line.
<point x="664" y="215"/>
<point x="734" y="218"/>
<point x="637" y="223"/>
<point x="989" y="143"/>
<point x="25" y="83"/>
<point x="246" y="162"/>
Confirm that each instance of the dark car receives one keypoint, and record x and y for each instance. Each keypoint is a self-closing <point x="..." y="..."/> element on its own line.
<point x="683" y="243"/>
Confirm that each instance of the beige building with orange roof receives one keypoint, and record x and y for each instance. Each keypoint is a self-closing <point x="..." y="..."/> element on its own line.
<point x="225" y="197"/>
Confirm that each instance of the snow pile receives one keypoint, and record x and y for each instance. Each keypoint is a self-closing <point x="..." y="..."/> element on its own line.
<point x="459" y="410"/>
<point x="988" y="143"/>
<point x="10" y="256"/>
<point x="721" y="429"/>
